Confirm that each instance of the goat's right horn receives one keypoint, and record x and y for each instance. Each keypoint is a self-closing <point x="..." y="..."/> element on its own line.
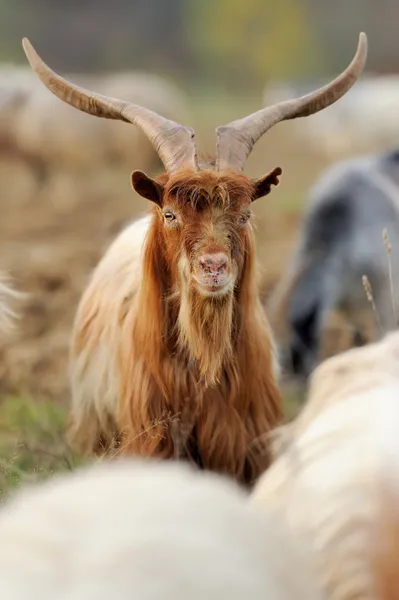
<point x="174" y="143"/>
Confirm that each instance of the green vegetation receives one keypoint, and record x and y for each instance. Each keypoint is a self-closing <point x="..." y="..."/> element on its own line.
<point x="32" y="444"/>
<point x="252" y="41"/>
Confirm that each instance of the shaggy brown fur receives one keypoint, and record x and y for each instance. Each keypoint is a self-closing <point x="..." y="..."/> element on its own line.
<point x="195" y="372"/>
<point x="384" y="545"/>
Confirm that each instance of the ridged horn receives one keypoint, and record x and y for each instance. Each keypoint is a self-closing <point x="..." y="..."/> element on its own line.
<point x="174" y="143"/>
<point x="236" y="139"/>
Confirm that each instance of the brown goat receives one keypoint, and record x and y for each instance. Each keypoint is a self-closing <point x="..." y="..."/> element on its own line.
<point x="171" y="351"/>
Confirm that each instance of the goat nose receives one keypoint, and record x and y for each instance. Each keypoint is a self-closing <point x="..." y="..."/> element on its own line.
<point x="214" y="263"/>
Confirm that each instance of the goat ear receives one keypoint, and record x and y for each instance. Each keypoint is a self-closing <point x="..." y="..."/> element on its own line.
<point x="147" y="187"/>
<point x="262" y="186"/>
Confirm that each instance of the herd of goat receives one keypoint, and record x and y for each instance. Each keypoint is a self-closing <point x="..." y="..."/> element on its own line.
<point x="173" y="361"/>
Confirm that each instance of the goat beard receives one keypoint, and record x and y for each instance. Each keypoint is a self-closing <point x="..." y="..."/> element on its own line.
<point x="205" y="331"/>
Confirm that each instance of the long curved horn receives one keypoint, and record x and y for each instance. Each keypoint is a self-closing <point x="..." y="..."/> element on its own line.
<point x="174" y="143"/>
<point x="236" y="140"/>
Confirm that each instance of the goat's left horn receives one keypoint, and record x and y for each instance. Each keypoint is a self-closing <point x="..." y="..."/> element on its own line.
<point x="174" y="143"/>
<point x="236" y="140"/>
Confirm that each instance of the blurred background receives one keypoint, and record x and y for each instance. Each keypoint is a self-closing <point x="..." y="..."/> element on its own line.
<point x="65" y="177"/>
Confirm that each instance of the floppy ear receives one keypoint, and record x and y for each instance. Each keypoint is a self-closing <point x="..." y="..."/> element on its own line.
<point x="147" y="187"/>
<point x="262" y="186"/>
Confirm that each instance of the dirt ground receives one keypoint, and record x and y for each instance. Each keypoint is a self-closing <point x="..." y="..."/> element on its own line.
<point x="53" y="233"/>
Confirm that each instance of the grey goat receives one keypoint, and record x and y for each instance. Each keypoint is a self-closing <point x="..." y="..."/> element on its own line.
<point x="341" y="240"/>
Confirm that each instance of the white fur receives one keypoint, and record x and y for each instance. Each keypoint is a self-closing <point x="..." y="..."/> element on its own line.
<point x="326" y="483"/>
<point x="145" y="530"/>
<point x="93" y="371"/>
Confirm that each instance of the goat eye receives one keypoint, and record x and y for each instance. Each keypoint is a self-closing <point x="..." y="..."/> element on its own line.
<point x="243" y="219"/>
<point x="169" y="216"/>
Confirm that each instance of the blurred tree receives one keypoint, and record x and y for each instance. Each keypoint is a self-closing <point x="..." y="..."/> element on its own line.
<point x="338" y="28"/>
<point x="245" y="42"/>
<point x="234" y="43"/>
<point x="81" y="35"/>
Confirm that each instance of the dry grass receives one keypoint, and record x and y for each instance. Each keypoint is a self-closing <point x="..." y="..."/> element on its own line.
<point x="369" y="290"/>
<point x="32" y="442"/>
<point x="388" y="248"/>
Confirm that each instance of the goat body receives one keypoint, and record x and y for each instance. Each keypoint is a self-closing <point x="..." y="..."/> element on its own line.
<point x="335" y="477"/>
<point x="188" y="339"/>
<point x="180" y="374"/>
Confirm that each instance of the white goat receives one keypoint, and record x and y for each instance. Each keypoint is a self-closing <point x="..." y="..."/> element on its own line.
<point x="35" y="123"/>
<point x="336" y="481"/>
<point x="145" y="530"/>
<point x="365" y="119"/>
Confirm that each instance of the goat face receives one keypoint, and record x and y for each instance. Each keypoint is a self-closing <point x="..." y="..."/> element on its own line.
<point x="205" y="220"/>
<point x="207" y="227"/>
<point x="211" y="243"/>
